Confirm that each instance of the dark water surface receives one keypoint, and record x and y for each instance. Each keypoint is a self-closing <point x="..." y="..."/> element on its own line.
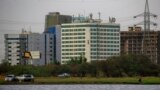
<point x="80" y="87"/>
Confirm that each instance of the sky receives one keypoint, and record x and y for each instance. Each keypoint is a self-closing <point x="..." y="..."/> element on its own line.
<point x="30" y="14"/>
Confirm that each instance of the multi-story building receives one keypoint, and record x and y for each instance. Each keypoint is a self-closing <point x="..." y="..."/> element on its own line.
<point x="15" y="45"/>
<point x="56" y="31"/>
<point x="50" y="53"/>
<point x="44" y="44"/>
<point x="54" y="18"/>
<point x="135" y="42"/>
<point x="92" y="39"/>
<point x="53" y="23"/>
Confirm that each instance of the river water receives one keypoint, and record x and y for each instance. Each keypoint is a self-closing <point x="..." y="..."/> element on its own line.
<point x="80" y="87"/>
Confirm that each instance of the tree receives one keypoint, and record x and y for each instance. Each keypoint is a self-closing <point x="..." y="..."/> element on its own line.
<point x="4" y="68"/>
<point x="132" y="65"/>
<point x="83" y="69"/>
<point x="63" y="69"/>
<point x="92" y="69"/>
<point x="77" y="60"/>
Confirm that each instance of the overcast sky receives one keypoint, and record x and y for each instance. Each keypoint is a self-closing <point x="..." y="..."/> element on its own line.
<point x="18" y="14"/>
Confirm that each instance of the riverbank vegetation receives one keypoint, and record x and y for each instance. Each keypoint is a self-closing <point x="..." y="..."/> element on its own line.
<point x="119" y="66"/>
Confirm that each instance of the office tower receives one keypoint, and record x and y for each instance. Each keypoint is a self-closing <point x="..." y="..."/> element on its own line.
<point x="90" y="39"/>
<point x="56" y="31"/>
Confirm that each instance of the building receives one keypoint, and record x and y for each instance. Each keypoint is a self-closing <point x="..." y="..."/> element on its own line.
<point x="15" y="45"/>
<point x="54" y="18"/>
<point x="44" y="44"/>
<point x="91" y="39"/>
<point x="135" y="42"/>
<point x="53" y="23"/>
<point x="56" y="31"/>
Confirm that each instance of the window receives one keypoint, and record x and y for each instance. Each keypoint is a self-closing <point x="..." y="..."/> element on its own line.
<point x="9" y="51"/>
<point x="93" y="33"/>
<point x="18" y="46"/>
<point x="94" y="53"/>
<point x="9" y="59"/>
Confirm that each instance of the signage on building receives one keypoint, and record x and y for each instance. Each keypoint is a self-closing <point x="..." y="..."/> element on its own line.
<point x="35" y="54"/>
<point x="27" y="55"/>
<point x="32" y="54"/>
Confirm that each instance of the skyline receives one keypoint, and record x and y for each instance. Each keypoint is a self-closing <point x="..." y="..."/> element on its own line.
<point x="30" y="14"/>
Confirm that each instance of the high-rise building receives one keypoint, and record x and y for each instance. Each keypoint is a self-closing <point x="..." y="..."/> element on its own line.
<point x="15" y="45"/>
<point x="91" y="39"/>
<point x="53" y="23"/>
<point x="54" y="18"/>
<point x="56" y="31"/>
<point x="132" y="43"/>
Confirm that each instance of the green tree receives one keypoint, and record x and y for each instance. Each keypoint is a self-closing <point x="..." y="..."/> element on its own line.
<point x="83" y="69"/>
<point x="77" y="60"/>
<point x="4" y="68"/>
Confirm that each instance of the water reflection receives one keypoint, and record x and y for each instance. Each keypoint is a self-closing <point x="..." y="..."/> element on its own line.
<point x="79" y="87"/>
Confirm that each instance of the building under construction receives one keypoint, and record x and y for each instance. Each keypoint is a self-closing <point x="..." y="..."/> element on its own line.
<point x="145" y="42"/>
<point x="133" y="42"/>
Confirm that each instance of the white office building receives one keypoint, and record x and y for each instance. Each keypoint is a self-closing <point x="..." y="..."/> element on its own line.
<point x="93" y="40"/>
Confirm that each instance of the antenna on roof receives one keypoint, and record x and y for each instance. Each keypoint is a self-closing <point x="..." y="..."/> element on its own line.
<point x="99" y="14"/>
<point x="91" y="16"/>
<point x="73" y="18"/>
<point x="30" y="29"/>
<point x="84" y="13"/>
<point x="79" y="16"/>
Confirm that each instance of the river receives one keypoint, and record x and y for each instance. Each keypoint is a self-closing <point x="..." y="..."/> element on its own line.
<point x="80" y="87"/>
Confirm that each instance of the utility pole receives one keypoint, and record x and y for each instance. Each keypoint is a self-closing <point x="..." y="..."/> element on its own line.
<point x="146" y="37"/>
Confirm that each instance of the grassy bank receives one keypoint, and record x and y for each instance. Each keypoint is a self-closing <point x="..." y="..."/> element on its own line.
<point x="89" y="80"/>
